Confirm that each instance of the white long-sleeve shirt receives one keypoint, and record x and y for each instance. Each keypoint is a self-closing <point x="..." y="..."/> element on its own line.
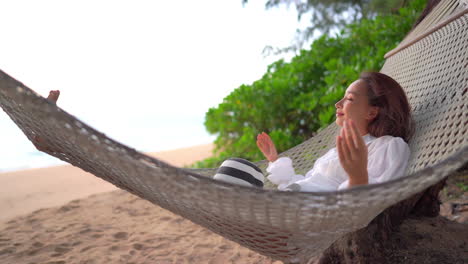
<point x="387" y="159"/>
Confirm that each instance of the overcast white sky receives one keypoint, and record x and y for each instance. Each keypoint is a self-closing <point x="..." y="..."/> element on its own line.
<point x="125" y="66"/>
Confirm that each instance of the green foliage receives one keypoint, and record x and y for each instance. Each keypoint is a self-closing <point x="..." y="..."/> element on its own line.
<point x="462" y="186"/>
<point x="293" y="100"/>
<point x="328" y="15"/>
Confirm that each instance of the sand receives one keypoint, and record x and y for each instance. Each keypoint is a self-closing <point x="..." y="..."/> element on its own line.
<point x="114" y="227"/>
<point x="28" y="190"/>
<point x="64" y="215"/>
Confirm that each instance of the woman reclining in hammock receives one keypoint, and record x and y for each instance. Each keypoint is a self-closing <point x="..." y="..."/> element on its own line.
<point x="376" y="124"/>
<point x="375" y="120"/>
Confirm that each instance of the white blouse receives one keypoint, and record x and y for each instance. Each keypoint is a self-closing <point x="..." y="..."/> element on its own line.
<point x="387" y="159"/>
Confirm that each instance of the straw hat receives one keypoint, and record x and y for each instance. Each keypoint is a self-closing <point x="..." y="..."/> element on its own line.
<point x="240" y="171"/>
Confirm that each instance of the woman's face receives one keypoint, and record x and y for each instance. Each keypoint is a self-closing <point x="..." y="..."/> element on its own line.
<point x="355" y="106"/>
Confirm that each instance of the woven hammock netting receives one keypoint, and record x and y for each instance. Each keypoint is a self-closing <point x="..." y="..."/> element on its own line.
<point x="430" y="64"/>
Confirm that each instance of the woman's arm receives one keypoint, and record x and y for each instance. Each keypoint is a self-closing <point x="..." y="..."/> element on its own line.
<point x="280" y="169"/>
<point x="352" y="153"/>
<point x="388" y="160"/>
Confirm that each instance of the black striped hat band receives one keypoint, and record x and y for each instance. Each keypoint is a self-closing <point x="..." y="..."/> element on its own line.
<point x="240" y="171"/>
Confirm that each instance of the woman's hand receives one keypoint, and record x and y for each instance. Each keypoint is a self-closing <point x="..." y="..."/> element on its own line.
<point x="38" y="141"/>
<point x="266" y="145"/>
<point x="352" y="152"/>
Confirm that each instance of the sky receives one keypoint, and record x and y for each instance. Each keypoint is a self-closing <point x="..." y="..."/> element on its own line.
<point x="142" y="72"/>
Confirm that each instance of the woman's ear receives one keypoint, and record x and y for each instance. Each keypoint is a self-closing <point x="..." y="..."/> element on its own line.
<point x="373" y="113"/>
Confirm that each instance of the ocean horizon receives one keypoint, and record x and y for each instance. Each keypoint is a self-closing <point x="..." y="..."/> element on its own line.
<point x="145" y="134"/>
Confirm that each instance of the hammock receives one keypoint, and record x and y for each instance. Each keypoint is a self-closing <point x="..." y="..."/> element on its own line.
<point x="431" y="65"/>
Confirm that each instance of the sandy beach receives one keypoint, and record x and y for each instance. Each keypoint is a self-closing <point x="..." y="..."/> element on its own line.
<point x="28" y="190"/>
<point x="63" y="215"/>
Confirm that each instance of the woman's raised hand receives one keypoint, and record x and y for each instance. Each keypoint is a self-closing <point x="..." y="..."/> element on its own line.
<point x="266" y="145"/>
<point x="352" y="152"/>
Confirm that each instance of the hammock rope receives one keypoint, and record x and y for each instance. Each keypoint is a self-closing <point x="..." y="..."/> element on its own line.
<point x="445" y="12"/>
<point x="287" y="226"/>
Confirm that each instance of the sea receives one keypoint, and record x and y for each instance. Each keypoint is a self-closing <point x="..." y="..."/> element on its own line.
<point x="145" y="133"/>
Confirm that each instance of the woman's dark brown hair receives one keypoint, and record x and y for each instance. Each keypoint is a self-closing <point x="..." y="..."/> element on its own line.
<point x="394" y="117"/>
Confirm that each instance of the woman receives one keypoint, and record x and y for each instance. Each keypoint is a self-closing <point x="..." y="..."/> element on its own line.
<point x="375" y="120"/>
<point x="376" y="124"/>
